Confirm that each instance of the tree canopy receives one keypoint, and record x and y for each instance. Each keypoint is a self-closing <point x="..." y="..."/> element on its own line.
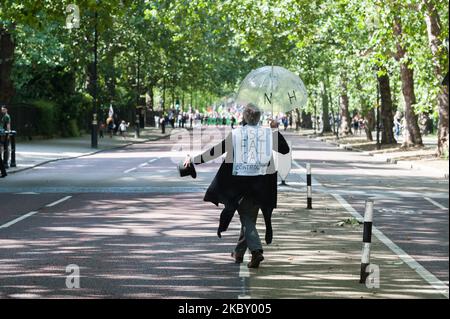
<point x="198" y="51"/>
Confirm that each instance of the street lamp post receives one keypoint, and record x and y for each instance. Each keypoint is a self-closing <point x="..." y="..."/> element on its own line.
<point x="94" y="139"/>
<point x="378" y="117"/>
<point x="138" y="87"/>
<point x="315" y="113"/>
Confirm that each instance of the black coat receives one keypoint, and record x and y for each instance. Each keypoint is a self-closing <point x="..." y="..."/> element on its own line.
<point x="228" y="189"/>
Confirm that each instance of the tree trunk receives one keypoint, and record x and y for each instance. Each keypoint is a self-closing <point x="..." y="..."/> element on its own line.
<point x="306" y="120"/>
<point x="151" y="101"/>
<point x="365" y="112"/>
<point x="370" y="123"/>
<point x="413" y="137"/>
<point x="7" y="47"/>
<point x="345" y="115"/>
<point x="326" y="127"/>
<point x="90" y="78"/>
<point x="164" y="95"/>
<point x="386" y="113"/>
<point x="110" y="76"/>
<point x="440" y="62"/>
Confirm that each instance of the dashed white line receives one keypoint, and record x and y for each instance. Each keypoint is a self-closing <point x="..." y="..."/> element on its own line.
<point x="436" y="203"/>
<point x="18" y="219"/>
<point x="244" y="273"/>
<point x="130" y="170"/>
<point x="59" y="201"/>
<point x="140" y="166"/>
<point x="14" y="221"/>
<point x="27" y="193"/>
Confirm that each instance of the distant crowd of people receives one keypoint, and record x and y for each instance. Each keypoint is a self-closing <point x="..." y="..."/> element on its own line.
<point x="193" y="118"/>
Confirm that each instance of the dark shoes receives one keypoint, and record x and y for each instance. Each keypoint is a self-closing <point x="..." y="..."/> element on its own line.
<point x="257" y="257"/>
<point x="238" y="259"/>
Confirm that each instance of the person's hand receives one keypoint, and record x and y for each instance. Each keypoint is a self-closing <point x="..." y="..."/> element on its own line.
<point x="187" y="161"/>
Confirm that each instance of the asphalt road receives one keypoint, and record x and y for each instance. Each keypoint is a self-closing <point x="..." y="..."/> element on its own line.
<point x="410" y="206"/>
<point x="136" y="229"/>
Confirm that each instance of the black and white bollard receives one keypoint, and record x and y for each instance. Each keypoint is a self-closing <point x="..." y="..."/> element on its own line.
<point x="308" y="186"/>
<point x="367" y="239"/>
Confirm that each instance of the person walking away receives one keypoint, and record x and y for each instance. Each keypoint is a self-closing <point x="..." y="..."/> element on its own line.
<point x="110" y="125"/>
<point x="233" y="121"/>
<point x="180" y="120"/>
<point x="285" y="122"/>
<point x="246" y="181"/>
<point x="355" y="125"/>
<point x="6" y="125"/>
<point x="116" y="123"/>
<point x="101" y="129"/>
<point x="163" y="122"/>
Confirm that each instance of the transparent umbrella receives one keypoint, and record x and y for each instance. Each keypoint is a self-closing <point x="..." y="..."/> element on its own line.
<point x="272" y="88"/>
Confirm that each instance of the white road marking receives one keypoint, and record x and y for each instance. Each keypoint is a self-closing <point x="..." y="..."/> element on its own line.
<point x="140" y="166"/>
<point x="59" y="201"/>
<point x="130" y="170"/>
<point x="18" y="219"/>
<point x="436" y="203"/>
<point x="27" y="193"/>
<point x="244" y="273"/>
<point x="437" y="284"/>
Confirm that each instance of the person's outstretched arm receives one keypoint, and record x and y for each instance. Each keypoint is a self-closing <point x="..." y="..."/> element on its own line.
<point x="212" y="153"/>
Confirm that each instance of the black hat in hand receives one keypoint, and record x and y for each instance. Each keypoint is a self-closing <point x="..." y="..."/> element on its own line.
<point x="187" y="171"/>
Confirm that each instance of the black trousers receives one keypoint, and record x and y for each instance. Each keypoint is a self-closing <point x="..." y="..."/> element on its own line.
<point x="2" y="166"/>
<point x="5" y="146"/>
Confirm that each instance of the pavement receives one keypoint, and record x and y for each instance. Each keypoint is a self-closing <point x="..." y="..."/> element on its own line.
<point x="30" y="154"/>
<point x="135" y="229"/>
<point x="417" y="159"/>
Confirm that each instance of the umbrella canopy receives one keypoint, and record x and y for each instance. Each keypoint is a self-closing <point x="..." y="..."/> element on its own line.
<point x="272" y="88"/>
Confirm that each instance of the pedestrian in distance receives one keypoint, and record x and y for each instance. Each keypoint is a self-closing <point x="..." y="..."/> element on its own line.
<point x="2" y="167"/>
<point x="246" y="181"/>
<point x="6" y="126"/>
<point x="123" y="129"/>
<point x="285" y="122"/>
<point x="101" y="129"/>
<point x="355" y="124"/>
<point x="110" y="125"/>
<point x="233" y="121"/>
<point x="163" y="122"/>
